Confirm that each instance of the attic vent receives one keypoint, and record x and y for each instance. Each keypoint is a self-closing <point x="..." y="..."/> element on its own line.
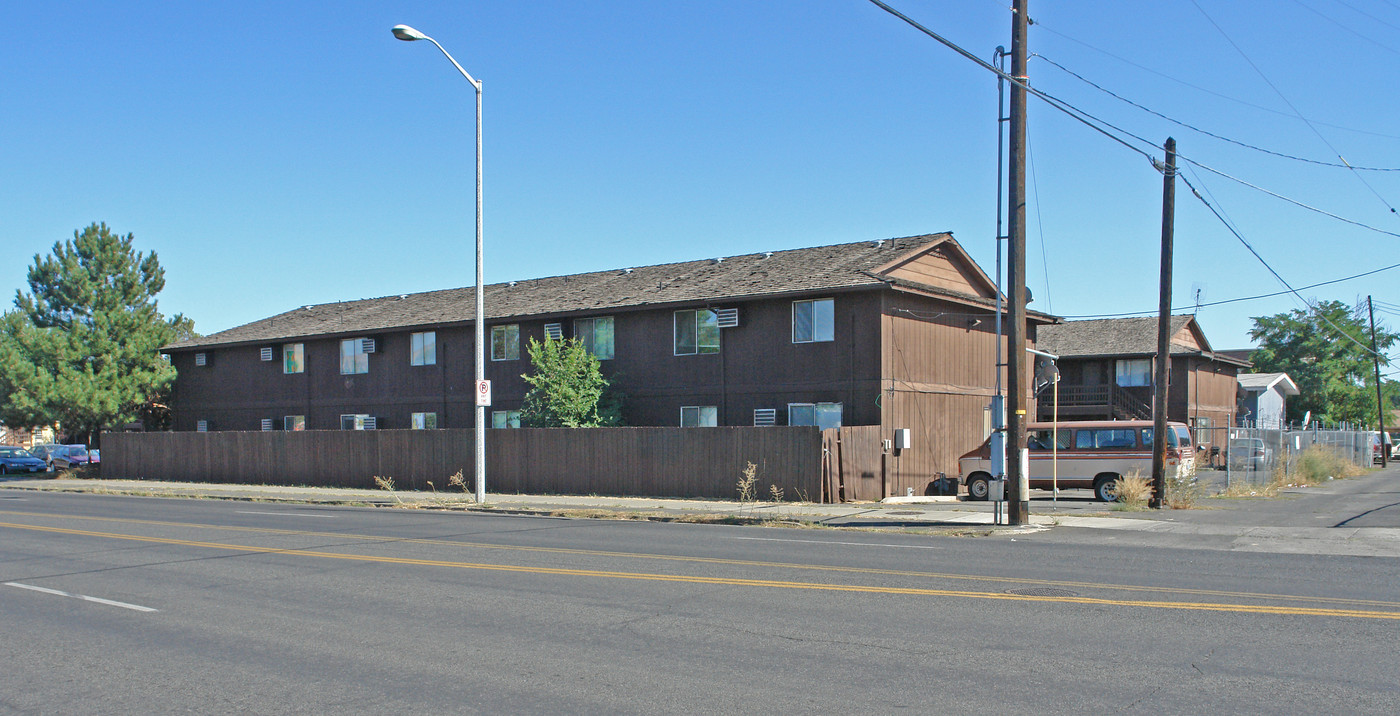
<point x="402" y="296"/>
<point x="201" y="426"/>
<point x="627" y="270"/>
<point x="718" y="260"/>
<point x="267" y="423"/>
<point x="767" y="254"/>
<point x="764" y="417"/>
<point x="367" y="345"/>
<point x="553" y="332"/>
<point x="267" y="354"/>
<point x="371" y="423"/>
<point x="727" y="317"/>
<point x="306" y="307"/>
<point x="512" y="283"/>
<point x="879" y="244"/>
<point x="201" y="359"/>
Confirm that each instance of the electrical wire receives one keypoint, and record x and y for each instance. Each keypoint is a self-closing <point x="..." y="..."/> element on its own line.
<point x="1290" y="104"/>
<point x="1338" y="23"/>
<point x="1279" y="196"/>
<point x="1039" y="221"/>
<point x="1208" y="133"/>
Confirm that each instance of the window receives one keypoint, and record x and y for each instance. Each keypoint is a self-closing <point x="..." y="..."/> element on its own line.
<point x="1136" y="372"/>
<point x="1172" y="438"/>
<point x="266" y="423"/>
<point x="505" y="418"/>
<point x="424" y="421"/>
<point x="201" y="426"/>
<point x="422" y="348"/>
<point x="699" y="416"/>
<point x="1107" y="438"/>
<point x="353" y="358"/>
<point x="597" y="335"/>
<point x="696" y="332"/>
<point x="295" y="423"/>
<point x="201" y="359"/>
<point x="356" y="422"/>
<point x="813" y="321"/>
<point x="293" y="358"/>
<point x="822" y="415"/>
<point x="1040" y="439"/>
<point x="505" y="342"/>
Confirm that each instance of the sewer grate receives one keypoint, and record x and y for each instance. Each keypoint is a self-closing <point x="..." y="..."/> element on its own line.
<point x="1042" y="592"/>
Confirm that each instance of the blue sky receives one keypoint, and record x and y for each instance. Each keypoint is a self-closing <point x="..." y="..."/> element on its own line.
<point x="277" y="154"/>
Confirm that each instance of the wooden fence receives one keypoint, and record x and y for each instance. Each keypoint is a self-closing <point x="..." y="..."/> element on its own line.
<point x="651" y="462"/>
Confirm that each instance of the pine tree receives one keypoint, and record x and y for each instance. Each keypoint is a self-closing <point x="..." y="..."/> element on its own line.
<point x="82" y="348"/>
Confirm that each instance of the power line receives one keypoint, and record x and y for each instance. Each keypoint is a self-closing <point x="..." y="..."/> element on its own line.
<point x="1279" y="92"/>
<point x="1208" y="133"/>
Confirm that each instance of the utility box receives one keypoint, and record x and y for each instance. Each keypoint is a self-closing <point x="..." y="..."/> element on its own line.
<point x="902" y="439"/>
<point x="996" y="490"/>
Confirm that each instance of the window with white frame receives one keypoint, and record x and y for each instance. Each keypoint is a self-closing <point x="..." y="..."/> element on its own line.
<point x="422" y="348"/>
<point x="814" y="321"/>
<point x="822" y="415"/>
<point x="699" y="416"/>
<point x="353" y="358"/>
<point x="505" y="418"/>
<point x="696" y="332"/>
<point x="295" y="423"/>
<point x="293" y="358"/>
<point x="597" y="336"/>
<point x="505" y="342"/>
<point x="355" y="421"/>
<point x="1135" y="372"/>
<point x="424" y="421"/>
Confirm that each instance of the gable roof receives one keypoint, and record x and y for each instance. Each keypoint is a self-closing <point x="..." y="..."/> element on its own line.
<point x="839" y="267"/>
<point x="1125" y="337"/>
<point x="1263" y="381"/>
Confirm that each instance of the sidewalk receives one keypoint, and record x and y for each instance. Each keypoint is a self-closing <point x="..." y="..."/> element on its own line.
<point x="1245" y="525"/>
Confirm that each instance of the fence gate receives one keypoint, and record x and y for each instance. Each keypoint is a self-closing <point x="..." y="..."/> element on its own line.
<point x="853" y="464"/>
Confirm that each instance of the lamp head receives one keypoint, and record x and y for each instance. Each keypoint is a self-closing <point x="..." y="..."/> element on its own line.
<point x="406" y="33"/>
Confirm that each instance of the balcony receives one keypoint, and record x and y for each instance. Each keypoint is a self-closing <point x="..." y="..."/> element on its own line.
<point x="1097" y="402"/>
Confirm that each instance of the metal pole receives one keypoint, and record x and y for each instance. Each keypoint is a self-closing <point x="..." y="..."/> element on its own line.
<point x="998" y="441"/>
<point x="1019" y="497"/>
<point x="1164" y="319"/>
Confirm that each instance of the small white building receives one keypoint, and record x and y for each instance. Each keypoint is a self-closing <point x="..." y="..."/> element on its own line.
<point x="1264" y="398"/>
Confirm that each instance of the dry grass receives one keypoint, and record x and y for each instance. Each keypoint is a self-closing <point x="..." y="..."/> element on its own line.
<point x="1319" y="464"/>
<point x="1133" y="492"/>
<point x="1183" y="489"/>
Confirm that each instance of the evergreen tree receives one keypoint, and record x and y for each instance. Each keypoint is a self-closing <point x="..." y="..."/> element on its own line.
<point x="1328" y="358"/>
<point x="568" y="389"/>
<point x="82" y="348"/>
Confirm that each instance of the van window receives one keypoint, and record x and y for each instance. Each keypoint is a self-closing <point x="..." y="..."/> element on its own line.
<point x="1101" y="438"/>
<point x="1172" y="437"/>
<point x="1040" y="439"/>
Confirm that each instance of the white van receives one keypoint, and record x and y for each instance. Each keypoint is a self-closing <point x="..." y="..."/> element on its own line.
<point x="1090" y="455"/>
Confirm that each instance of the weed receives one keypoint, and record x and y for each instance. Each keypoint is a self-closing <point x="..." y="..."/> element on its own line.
<point x="1319" y="463"/>
<point x="776" y="493"/>
<point x="387" y="484"/>
<point x="747" y="491"/>
<point x="1133" y="491"/>
<point x="1183" y="489"/>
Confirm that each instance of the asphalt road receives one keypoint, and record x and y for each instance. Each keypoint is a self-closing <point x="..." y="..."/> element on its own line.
<point x="236" y="607"/>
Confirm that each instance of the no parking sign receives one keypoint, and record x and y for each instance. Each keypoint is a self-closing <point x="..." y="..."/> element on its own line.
<point x="483" y="393"/>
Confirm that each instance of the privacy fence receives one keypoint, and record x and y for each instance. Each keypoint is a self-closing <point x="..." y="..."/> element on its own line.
<point x="650" y="462"/>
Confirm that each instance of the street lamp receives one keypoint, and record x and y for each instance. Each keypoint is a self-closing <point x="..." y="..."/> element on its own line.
<point x="481" y="390"/>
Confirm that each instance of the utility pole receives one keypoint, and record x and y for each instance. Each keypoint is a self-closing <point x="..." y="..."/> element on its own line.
<point x="1164" y="319"/>
<point x="1018" y="492"/>
<point x="1380" y="406"/>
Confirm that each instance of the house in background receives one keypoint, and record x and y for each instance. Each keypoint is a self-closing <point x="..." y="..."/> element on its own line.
<point x="1263" y="400"/>
<point x="1107" y="368"/>
<point x="894" y="333"/>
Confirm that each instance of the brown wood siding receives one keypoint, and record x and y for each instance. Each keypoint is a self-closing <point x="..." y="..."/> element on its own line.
<point x="654" y="462"/>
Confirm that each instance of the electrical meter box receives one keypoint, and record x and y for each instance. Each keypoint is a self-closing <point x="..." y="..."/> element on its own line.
<point x="902" y="439"/>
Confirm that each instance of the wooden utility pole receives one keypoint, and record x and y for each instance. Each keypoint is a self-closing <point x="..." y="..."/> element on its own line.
<point x="1164" y="319"/>
<point x="1380" y="406"/>
<point x="1018" y="489"/>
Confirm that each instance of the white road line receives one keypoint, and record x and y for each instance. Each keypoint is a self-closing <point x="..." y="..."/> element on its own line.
<point x="851" y="544"/>
<point x="281" y="514"/>
<point x="84" y="597"/>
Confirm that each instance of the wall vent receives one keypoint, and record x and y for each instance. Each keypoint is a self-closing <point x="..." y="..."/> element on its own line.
<point x="201" y="426"/>
<point x="267" y="354"/>
<point x="367" y="345"/>
<point x="554" y="331"/>
<point x="727" y="317"/>
<point x="201" y="359"/>
<point x="764" y="417"/>
<point x="371" y="423"/>
<point x="267" y="423"/>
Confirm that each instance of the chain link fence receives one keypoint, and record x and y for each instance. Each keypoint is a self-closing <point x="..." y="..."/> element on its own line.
<point x="1254" y="456"/>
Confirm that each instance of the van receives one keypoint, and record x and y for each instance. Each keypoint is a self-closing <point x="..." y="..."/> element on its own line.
<point x="1086" y="454"/>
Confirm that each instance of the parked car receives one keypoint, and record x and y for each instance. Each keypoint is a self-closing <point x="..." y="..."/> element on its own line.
<point x="1248" y="454"/>
<point x="62" y="457"/>
<point x="1377" y="451"/>
<point x="14" y="459"/>
<point x="94" y="456"/>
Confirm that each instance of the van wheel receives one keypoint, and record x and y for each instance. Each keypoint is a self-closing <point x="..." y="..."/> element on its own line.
<point x="1106" y="488"/>
<point x="977" y="487"/>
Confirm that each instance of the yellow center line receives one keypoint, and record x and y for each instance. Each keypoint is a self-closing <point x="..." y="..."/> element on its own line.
<point x="739" y="562"/>
<point x="729" y="581"/>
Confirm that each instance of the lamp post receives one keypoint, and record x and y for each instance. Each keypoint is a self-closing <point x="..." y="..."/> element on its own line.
<point x="406" y="33"/>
